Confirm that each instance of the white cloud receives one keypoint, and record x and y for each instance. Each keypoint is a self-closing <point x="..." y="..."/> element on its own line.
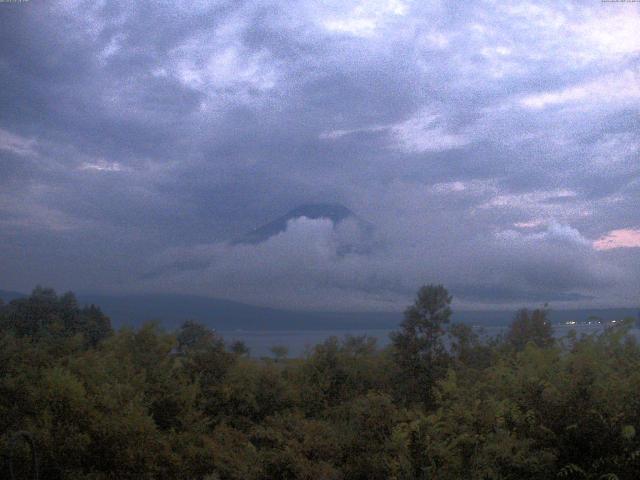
<point x="102" y="166"/>
<point x="528" y="200"/>
<point x="615" y="154"/>
<point x="555" y="232"/>
<point x="529" y="223"/>
<point x="364" y="18"/>
<point x="475" y="187"/>
<point x="423" y="132"/>
<point x="561" y="205"/>
<point x="225" y="68"/>
<point x="17" y="144"/>
<point x="434" y="39"/>
<point x="576" y="36"/>
<point x="37" y="215"/>
<point x="611" y="89"/>
<point x="449" y="187"/>
<point x="112" y="48"/>
<point x="336" y="134"/>
<point x="215" y="61"/>
<point x="608" y="35"/>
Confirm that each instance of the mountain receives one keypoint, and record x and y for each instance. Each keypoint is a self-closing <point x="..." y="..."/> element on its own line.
<point x="335" y="212"/>
<point x="7" y="295"/>
<point x="172" y="309"/>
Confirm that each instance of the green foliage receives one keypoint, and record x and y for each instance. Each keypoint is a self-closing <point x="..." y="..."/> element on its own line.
<point x="418" y="347"/>
<point x="147" y="404"/>
<point x="532" y="327"/>
<point x="45" y="315"/>
<point x="240" y="348"/>
<point x="338" y="371"/>
<point x="280" y="352"/>
<point x="193" y="336"/>
<point x="293" y="447"/>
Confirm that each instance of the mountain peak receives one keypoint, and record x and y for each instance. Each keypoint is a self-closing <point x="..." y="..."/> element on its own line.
<point x="333" y="211"/>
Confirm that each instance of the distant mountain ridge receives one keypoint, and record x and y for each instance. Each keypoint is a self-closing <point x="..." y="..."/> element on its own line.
<point x="172" y="309"/>
<point x="335" y="212"/>
<point x="7" y="295"/>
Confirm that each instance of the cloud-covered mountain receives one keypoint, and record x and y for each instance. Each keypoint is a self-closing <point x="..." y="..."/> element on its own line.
<point x="335" y="212"/>
<point x="494" y="145"/>
<point x="357" y="236"/>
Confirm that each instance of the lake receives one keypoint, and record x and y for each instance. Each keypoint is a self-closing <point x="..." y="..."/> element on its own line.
<point x="298" y="341"/>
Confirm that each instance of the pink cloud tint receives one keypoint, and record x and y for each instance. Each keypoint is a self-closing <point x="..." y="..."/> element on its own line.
<point x="623" y="238"/>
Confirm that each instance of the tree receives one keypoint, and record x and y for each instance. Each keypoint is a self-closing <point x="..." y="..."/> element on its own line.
<point x="530" y="327"/>
<point x="205" y="361"/>
<point x="467" y="348"/>
<point x="44" y="314"/>
<point x="194" y="336"/>
<point x="370" y="450"/>
<point x="240" y="348"/>
<point x="359" y="344"/>
<point x="280" y="352"/>
<point x="94" y="325"/>
<point x="418" y="348"/>
<point x="38" y="315"/>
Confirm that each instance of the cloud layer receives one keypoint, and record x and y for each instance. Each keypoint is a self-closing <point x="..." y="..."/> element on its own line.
<point x="494" y="145"/>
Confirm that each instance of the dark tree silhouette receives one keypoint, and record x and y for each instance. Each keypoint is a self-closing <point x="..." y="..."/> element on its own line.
<point x="530" y="327"/>
<point x="418" y="348"/>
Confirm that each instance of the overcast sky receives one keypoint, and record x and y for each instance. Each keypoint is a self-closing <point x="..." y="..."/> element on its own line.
<point x="493" y="145"/>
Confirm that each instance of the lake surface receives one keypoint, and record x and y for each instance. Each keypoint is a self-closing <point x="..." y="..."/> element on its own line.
<point x="298" y="341"/>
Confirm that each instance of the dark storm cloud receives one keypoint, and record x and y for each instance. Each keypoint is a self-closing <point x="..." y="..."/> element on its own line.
<point x="490" y="143"/>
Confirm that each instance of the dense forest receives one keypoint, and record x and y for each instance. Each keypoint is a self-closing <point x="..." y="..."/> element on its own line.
<point x="441" y="402"/>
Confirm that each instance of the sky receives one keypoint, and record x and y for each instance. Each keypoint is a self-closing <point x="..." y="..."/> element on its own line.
<point x="493" y="145"/>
